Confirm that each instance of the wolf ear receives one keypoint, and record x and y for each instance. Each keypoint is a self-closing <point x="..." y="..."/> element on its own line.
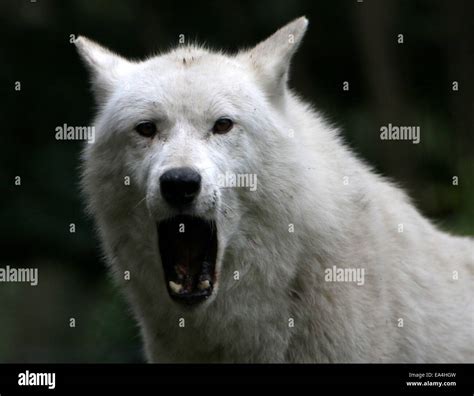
<point x="105" y="66"/>
<point x="271" y="57"/>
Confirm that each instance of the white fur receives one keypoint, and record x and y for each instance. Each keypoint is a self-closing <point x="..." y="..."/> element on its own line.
<point x="409" y="275"/>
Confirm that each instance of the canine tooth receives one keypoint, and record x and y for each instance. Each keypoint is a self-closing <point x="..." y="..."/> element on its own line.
<point x="205" y="277"/>
<point x="176" y="287"/>
<point x="204" y="285"/>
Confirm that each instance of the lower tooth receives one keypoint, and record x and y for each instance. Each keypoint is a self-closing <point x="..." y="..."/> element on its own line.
<point x="176" y="287"/>
<point x="204" y="285"/>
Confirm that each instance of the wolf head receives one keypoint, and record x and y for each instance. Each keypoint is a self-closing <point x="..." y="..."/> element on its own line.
<point x="187" y="144"/>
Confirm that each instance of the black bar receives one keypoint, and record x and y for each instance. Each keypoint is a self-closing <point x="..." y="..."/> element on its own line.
<point x="83" y="378"/>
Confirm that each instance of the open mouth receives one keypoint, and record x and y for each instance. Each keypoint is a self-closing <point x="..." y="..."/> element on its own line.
<point x="188" y="249"/>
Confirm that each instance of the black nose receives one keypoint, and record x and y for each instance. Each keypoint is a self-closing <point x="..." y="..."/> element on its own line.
<point x="179" y="186"/>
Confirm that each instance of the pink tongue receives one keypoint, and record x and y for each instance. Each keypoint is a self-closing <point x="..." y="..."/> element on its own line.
<point x="186" y="278"/>
<point x="182" y="269"/>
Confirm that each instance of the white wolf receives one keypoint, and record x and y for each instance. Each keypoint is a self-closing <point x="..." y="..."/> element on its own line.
<point x="219" y="274"/>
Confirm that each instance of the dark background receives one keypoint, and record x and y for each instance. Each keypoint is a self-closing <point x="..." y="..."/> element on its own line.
<point x="402" y="84"/>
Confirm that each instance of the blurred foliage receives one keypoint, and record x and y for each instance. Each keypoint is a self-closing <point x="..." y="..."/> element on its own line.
<point x="402" y="84"/>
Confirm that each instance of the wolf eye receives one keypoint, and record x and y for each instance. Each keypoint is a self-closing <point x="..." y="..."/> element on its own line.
<point x="223" y="125"/>
<point x="146" y="128"/>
